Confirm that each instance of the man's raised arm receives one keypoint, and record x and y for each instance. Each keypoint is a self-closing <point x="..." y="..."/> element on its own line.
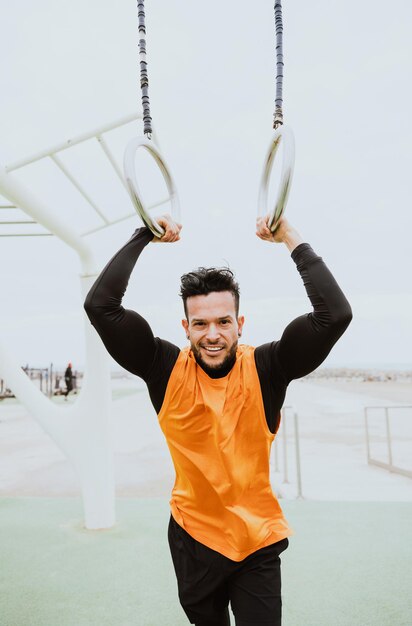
<point x="307" y="340"/>
<point x="126" y="334"/>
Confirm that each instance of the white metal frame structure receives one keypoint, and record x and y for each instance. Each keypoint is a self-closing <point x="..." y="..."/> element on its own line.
<point x="82" y="429"/>
<point x="371" y="461"/>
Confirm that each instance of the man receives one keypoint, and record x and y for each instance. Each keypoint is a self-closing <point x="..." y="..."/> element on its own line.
<point x="68" y="379"/>
<point x="218" y="405"/>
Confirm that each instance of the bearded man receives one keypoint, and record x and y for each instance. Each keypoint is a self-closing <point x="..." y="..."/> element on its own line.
<point x="218" y="404"/>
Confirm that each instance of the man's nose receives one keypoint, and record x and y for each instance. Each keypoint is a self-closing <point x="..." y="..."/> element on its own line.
<point x="212" y="332"/>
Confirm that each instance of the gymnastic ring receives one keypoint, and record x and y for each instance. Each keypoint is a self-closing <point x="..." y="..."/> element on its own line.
<point x="131" y="182"/>
<point x="284" y="134"/>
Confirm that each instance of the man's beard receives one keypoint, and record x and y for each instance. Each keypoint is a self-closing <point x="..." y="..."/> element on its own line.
<point x="220" y="370"/>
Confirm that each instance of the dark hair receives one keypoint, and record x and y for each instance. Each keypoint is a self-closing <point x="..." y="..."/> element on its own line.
<point x="204" y="280"/>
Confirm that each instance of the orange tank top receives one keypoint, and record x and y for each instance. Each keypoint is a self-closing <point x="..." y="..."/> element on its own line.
<point x="218" y="437"/>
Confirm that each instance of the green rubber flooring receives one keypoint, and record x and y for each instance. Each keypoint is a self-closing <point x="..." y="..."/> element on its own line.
<point x="348" y="564"/>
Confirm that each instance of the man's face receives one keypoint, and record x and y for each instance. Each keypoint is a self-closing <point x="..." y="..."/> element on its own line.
<point x="213" y="328"/>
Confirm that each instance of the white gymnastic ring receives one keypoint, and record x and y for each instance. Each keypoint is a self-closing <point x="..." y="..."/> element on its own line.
<point x="131" y="182"/>
<point x="285" y="135"/>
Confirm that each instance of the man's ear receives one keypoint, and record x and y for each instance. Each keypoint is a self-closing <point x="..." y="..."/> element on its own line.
<point x="240" y="322"/>
<point x="185" y="325"/>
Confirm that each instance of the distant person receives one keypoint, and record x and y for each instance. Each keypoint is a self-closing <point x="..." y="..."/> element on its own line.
<point x="218" y="405"/>
<point x="68" y="379"/>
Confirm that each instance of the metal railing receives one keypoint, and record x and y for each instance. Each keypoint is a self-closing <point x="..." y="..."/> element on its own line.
<point x="48" y="380"/>
<point x="389" y="465"/>
<point x="281" y="441"/>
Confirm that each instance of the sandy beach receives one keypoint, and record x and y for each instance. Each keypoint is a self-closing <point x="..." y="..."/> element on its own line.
<point x="331" y="438"/>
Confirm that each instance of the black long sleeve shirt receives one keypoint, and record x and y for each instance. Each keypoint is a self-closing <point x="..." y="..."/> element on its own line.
<point x="303" y="346"/>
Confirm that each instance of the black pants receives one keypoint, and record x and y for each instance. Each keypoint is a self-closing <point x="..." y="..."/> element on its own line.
<point x="207" y="581"/>
<point x="69" y="387"/>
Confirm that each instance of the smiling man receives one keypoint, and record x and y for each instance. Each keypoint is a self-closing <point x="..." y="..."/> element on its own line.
<point x="211" y="303"/>
<point x="218" y="404"/>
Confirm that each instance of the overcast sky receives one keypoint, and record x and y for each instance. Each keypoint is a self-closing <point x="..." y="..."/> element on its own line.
<point x="70" y="67"/>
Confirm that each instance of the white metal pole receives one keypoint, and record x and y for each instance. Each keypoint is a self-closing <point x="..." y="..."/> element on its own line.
<point x="297" y="450"/>
<point x="16" y="192"/>
<point x="64" y="145"/>
<point x="285" y="448"/>
<point x="78" y="186"/>
<point x="365" y="412"/>
<point x="388" y="436"/>
<point x="81" y="430"/>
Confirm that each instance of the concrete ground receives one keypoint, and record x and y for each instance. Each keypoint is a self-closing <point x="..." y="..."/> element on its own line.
<point x="348" y="564"/>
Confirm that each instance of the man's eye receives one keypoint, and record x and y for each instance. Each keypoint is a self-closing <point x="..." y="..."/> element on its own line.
<point x="225" y="322"/>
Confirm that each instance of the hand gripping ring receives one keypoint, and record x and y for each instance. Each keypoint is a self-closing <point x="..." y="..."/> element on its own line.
<point x="284" y="134"/>
<point x="131" y="182"/>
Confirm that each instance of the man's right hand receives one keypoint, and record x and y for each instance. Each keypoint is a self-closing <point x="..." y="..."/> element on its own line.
<point x="172" y="230"/>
